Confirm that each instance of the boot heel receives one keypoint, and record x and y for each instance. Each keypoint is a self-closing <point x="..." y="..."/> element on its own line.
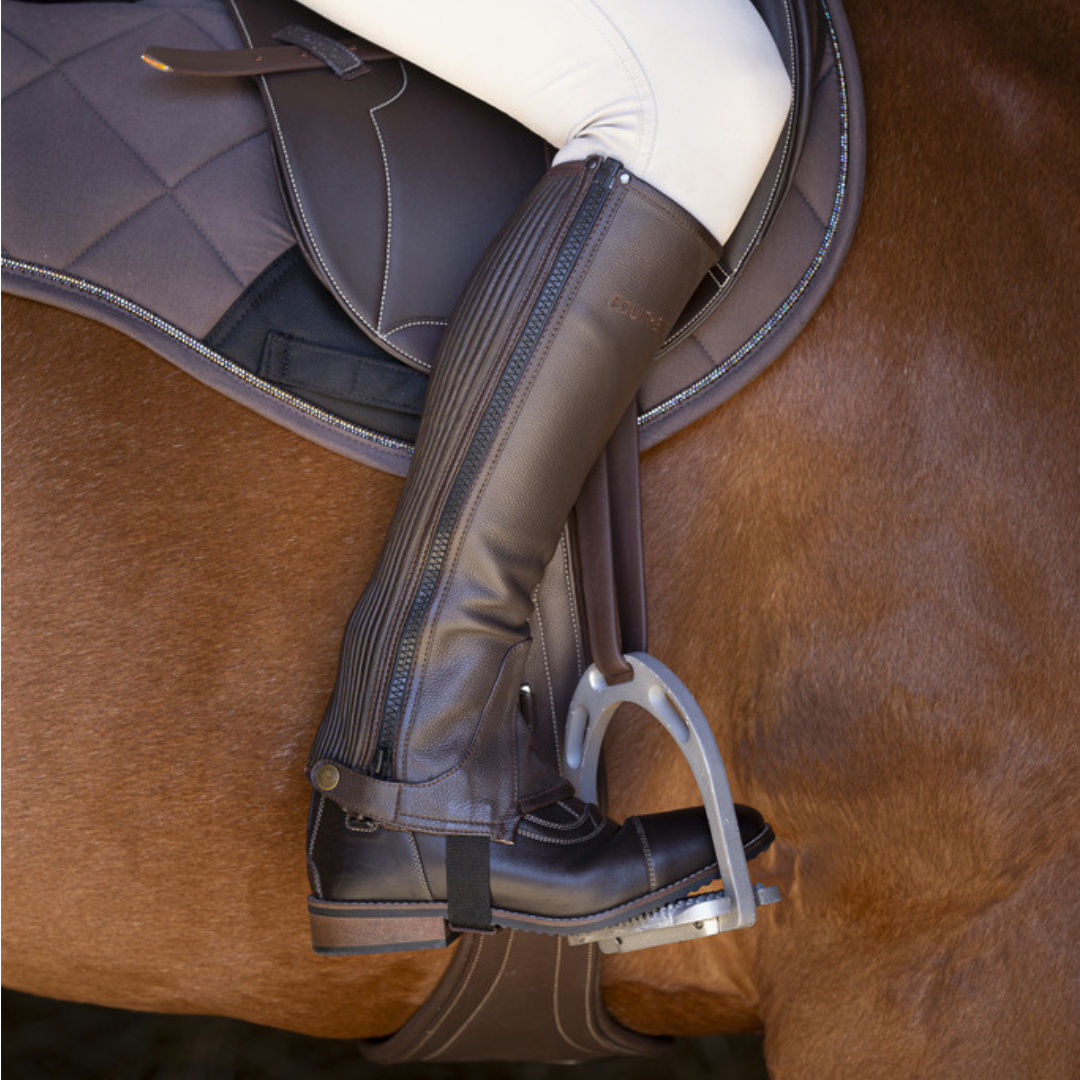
<point x="345" y="929"/>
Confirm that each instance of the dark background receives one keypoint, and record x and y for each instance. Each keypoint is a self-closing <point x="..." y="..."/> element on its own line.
<point x="58" y="1040"/>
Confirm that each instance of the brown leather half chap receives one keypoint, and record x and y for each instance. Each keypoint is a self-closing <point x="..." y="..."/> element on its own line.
<point x="542" y="357"/>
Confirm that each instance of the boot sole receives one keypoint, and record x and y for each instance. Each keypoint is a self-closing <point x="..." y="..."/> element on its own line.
<point x="353" y="927"/>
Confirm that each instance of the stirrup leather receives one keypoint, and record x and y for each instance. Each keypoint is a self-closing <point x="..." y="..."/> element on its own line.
<point x="663" y="695"/>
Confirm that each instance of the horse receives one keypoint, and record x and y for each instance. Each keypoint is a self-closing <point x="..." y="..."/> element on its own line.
<point x="864" y="566"/>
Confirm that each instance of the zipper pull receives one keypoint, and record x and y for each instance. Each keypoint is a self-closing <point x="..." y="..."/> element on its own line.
<point x="381" y="768"/>
<point x="609" y="172"/>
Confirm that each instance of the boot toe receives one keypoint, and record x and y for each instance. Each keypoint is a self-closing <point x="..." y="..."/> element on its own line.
<point x="678" y="844"/>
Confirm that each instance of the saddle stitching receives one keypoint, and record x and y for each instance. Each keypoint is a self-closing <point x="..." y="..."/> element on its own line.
<point x="447" y="1012"/>
<point x="691" y="322"/>
<point x="389" y="185"/>
<point x="684" y="396"/>
<point x="708" y="306"/>
<point x="286" y="161"/>
<point x="311" y="848"/>
<point x="414" y="850"/>
<point x="483" y="1001"/>
<point x="648" y="853"/>
<point x="590" y="1015"/>
<point x="555" y="1011"/>
<point x="789" y="130"/>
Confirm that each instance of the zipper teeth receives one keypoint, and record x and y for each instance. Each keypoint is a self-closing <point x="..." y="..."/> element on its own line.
<point x="405" y="655"/>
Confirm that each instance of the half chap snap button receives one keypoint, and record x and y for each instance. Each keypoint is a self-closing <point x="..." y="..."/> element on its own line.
<point x="327" y="777"/>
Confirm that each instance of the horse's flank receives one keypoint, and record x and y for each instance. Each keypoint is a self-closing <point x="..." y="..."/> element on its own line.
<point x="864" y="566"/>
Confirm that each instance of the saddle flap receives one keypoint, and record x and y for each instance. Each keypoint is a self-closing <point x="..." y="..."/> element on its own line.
<point x="90" y="237"/>
<point x="393" y="208"/>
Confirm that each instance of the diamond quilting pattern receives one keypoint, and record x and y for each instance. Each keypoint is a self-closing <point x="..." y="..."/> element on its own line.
<point x="180" y="139"/>
<point x="22" y="65"/>
<point x="114" y="169"/>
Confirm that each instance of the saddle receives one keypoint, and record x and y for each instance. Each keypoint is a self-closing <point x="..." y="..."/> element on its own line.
<point x="323" y="310"/>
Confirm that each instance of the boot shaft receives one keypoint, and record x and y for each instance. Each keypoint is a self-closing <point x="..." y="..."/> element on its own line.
<point x="543" y="355"/>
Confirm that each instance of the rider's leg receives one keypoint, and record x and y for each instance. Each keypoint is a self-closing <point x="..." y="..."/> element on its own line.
<point x="689" y="95"/>
<point x="542" y="357"/>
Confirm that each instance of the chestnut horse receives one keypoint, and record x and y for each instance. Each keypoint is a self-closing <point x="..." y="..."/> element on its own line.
<point x="865" y="566"/>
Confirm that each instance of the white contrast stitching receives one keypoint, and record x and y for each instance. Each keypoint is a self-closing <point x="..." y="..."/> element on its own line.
<point x="789" y="129"/>
<point x="522" y="831"/>
<point x="311" y="848"/>
<point x="648" y="854"/>
<point x="419" y="863"/>
<point x="448" y="1011"/>
<point x="483" y="1001"/>
<point x="313" y="245"/>
<point x="389" y="185"/>
<point x="555" y="998"/>
<point x="547" y="671"/>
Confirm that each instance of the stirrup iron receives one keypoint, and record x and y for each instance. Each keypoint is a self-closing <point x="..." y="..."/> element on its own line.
<point x="663" y="695"/>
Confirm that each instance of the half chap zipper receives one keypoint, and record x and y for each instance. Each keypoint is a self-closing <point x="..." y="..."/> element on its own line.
<point x="600" y="188"/>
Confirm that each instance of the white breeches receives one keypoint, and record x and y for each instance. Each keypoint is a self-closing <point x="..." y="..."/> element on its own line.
<point x="690" y="95"/>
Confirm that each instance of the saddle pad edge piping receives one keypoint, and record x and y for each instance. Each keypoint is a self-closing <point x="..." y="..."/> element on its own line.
<point x="848" y="194"/>
<point x="83" y="297"/>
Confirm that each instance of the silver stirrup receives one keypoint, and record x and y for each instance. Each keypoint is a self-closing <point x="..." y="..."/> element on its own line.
<point x="662" y="694"/>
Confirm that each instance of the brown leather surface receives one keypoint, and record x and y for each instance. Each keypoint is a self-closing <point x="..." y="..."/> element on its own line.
<point x="612" y="556"/>
<point x="319" y="119"/>
<point x="514" y="996"/>
<point x="231" y="63"/>
<point x="778" y="289"/>
<point x="369" y="180"/>
<point x="462" y="761"/>
<point x="598" y="589"/>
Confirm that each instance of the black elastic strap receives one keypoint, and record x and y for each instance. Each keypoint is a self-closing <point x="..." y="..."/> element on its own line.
<point x="339" y="58"/>
<point x="468" y="883"/>
<point x="365" y="380"/>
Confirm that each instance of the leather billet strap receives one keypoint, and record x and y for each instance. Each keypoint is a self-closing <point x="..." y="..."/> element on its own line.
<point x="301" y="50"/>
<point x="611" y="554"/>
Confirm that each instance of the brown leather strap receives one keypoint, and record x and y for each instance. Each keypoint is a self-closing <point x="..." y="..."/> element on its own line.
<point x="268" y="60"/>
<point x="612" y="554"/>
<point x="627" y="532"/>
<point x="485" y="1010"/>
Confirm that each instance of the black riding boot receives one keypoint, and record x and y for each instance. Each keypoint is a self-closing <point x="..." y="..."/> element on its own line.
<point x="427" y="786"/>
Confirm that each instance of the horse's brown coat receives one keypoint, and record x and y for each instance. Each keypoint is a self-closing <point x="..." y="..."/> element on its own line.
<point x="865" y="566"/>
